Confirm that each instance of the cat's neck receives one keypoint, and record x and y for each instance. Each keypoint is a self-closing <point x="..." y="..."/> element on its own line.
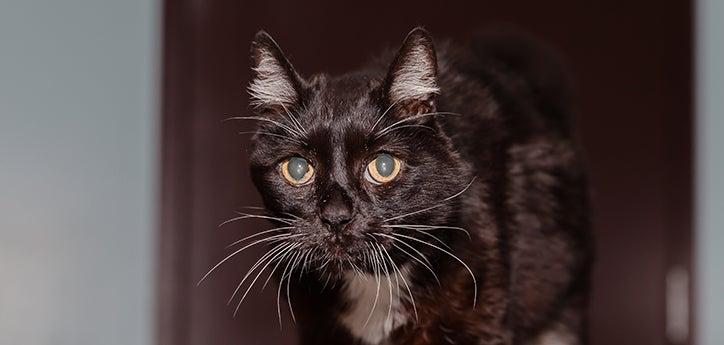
<point x="376" y="305"/>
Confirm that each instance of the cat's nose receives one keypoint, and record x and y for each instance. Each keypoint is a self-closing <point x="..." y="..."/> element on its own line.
<point x="336" y="208"/>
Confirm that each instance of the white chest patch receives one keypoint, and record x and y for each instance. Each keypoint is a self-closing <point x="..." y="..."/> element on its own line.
<point x="369" y="321"/>
<point x="557" y="336"/>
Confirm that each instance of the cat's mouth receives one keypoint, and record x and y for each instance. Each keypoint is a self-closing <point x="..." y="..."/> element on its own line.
<point x="357" y="252"/>
<point x="362" y="245"/>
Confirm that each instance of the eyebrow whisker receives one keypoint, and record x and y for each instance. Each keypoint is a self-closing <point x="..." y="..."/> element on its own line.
<point x="381" y="116"/>
<point x="413" y="117"/>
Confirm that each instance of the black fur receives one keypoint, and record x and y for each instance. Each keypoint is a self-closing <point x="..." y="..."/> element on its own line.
<point x="499" y="137"/>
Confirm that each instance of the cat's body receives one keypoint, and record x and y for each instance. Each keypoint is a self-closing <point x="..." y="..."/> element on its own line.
<point x="496" y="160"/>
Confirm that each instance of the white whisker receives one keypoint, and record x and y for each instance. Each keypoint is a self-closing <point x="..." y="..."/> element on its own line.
<point x="381" y="116"/>
<point x="266" y="239"/>
<point x="285" y="137"/>
<point x="294" y="119"/>
<point x="259" y="234"/>
<point x="256" y="278"/>
<point x="411" y="118"/>
<point x="250" y="271"/>
<point x="422" y="227"/>
<point x="402" y="127"/>
<point x="286" y="128"/>
<point x="426" y="265"/>
<point x="291" y="271"/>
<point x="279" y="292"/>
<point x="437" y="239"/>
<point x="472" y="275"/>
<point x="389" y="281"/>
<point x="293" y="216"/>
<point x="279" y="262"/>
<point x="434" y="206"/>
<point x="377" y="267"/>
<point x="247" y="216"/>
<point x="261" y="216"/>
<point x="404" y="281"/>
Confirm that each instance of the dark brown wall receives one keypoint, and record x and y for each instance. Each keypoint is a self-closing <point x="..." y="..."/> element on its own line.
<point x="631" y="63"/>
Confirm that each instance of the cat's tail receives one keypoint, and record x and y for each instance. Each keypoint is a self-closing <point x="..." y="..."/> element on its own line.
<point x="533" y="61"/>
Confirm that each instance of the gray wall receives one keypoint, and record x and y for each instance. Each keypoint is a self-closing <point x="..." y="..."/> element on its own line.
<point x="710" y="171"/>
<point x="78" y="153"/>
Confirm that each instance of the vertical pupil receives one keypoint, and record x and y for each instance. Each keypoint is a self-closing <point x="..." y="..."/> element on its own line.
<point x="297" y="167"/>
<point x="384" y="164"/>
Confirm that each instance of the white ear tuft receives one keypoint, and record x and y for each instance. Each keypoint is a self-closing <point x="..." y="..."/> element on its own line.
<point x="413" y="74"/>
<point x="274" y="82"/>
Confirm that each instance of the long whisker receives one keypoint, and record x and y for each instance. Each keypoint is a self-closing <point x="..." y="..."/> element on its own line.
<point x="389" y="281"/>
<point x="259" y="234"/>
<point x="381" y="116"/>
<point x="426" y="265"/>
<point x="279" y="248"/>
<point x="434" y="206"/>
<point x="255" y="279"/>
<point x="261" y="216"/>
<point x="285" y="137"/>
<point x="254" y="208"/>
<point x="279" y="261"/>
<point x="377" y="267"/>
<point x="411" y="118"/>
<point x="271" y="274"/>
<point x="266" y="239"/>
<point x="288" y="129"/>
<point x="291" y="271"/>
<point x="437" y="239"/>
<point x="472" y="275"/>
<point x="326" y="274"/>
<point x="279" y="292"/>
<point x="293" y="216"/>
<point x="404" y="281"/>
<point x="422" y="227"/>
<point x="355" y="268"/>
<point x="294" y="119"/>
<point x="303" y="263"/>
<point x="248" y="215"/>
<point x="402" y="127"/>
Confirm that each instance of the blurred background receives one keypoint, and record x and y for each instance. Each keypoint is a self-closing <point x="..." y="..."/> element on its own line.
<point x="115" y="166"/>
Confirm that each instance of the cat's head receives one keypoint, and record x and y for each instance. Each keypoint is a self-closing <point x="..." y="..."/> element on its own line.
<point x="356" y="165"/>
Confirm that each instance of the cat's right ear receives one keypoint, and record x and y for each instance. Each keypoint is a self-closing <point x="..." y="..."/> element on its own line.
<point x="412" y="79"/>
<point x="274" y="83"/>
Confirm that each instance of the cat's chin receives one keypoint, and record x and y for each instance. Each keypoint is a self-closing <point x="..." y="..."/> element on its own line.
<point x="340" y="263"/>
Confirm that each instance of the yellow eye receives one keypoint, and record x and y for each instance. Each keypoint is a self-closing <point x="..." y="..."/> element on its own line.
<point x="297" y="171"/>
<point x="384" y="168"/>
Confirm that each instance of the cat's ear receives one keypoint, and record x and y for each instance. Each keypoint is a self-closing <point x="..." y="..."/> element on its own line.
<point x="274" y="83"/>
<point x="412" y="78"/>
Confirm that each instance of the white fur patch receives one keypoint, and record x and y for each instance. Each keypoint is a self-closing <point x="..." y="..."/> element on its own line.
<point x="388" y="314"/>
<point x="271" y="85"/>
<point x="415" y="79"/>
<point x="556" y="337"/>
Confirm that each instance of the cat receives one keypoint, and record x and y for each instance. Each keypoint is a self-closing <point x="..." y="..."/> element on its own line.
<point x="436" y="196"/>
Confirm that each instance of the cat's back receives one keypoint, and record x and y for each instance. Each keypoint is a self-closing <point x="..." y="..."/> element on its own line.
<point x="504" y="86"/>
<point x="514" y="128"/>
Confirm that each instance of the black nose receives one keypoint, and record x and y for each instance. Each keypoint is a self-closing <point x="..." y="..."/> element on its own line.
<point x="336" y="208"/>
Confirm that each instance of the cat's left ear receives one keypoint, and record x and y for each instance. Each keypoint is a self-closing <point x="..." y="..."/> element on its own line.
<point x="274" y="83"/>
<point x="412" y="79"/>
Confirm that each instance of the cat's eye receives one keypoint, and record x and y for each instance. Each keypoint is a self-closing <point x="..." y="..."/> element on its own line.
<point x="384" y="168"/>
<point x="297" y="171"/>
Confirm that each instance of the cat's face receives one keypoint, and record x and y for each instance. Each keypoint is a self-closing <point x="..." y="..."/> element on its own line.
<point x="355" y="166"/>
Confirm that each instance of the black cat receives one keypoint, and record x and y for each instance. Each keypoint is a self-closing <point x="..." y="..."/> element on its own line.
<point x="431" y="198"/>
